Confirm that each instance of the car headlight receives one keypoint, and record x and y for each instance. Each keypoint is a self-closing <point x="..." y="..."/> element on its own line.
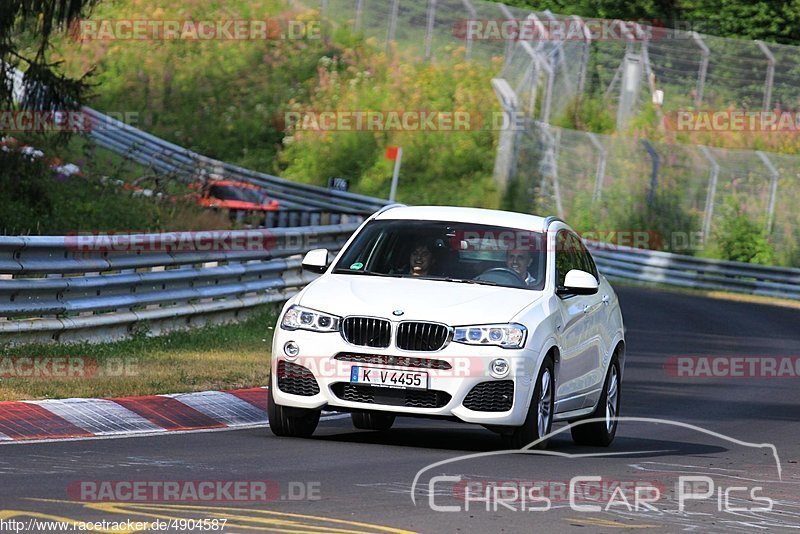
<point x="509" y="336"/>
<point x="300" y="318"/>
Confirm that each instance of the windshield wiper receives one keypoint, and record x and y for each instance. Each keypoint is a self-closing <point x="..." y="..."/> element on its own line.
<point x="466" y="281"/>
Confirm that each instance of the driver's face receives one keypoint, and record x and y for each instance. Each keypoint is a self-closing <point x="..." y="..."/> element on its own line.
<point x="421" y="260"/>
<point x="519" y="261"/>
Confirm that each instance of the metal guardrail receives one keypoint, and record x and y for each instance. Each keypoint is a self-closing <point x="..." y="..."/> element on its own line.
<point x="167" y="157"/>
<point x="91" y="288"/>
<point x="698" y="273"/>
<point x="81" y="288"/>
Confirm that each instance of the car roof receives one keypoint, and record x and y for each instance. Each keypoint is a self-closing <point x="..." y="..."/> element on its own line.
<point x="488" y="217"/>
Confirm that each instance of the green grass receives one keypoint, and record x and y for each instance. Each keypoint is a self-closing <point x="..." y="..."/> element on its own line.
<point x="208" y="358"/>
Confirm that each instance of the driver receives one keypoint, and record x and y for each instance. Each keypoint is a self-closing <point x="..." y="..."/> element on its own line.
<point x="421" y="259"/>
<point x="520" y="261"/>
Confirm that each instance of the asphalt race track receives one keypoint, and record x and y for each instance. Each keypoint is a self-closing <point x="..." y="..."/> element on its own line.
<point x="344" y="480"/>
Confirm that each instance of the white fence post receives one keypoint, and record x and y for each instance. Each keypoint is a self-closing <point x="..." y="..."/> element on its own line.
<point x="505" y="159"/>
<point x="431" y="19"/>
<point x="773" y="189"/>
<point x="600" y="173"/>
<point x="472" y="15"/>
<point x="359" y="14"/>
<point x="703" y="70"/>
<point x="770" y="75"/>
<point x="392" y="25"/>
<point x="711" y="193"/>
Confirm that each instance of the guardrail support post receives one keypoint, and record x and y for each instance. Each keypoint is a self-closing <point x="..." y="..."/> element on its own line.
<point x="711" y="193"/>
<point x="770" y="75"/>
<point x="773" y="189"/>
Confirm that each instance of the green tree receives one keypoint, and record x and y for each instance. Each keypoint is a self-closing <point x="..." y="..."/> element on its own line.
<point x="26" y="27"/>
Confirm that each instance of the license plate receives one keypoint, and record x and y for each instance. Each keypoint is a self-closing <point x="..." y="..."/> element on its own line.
<point x="390" y="378"/>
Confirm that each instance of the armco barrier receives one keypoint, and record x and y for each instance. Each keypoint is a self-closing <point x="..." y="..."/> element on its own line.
<point x="79" y="288"/>
<point x="698" y="273"/>
<point x="82" y="288"/>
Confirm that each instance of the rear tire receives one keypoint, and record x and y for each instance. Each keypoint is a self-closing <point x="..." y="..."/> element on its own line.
<point x="291" y="422"/>
<point x="601" y="433"/>
<point x="372" y="420"/>
<point x="539" y="420"/>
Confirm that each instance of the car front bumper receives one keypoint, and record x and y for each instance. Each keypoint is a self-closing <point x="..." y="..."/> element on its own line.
<point x="469" y="367"/>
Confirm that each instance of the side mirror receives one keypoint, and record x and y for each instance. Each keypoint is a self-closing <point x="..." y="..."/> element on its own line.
<point x="579" y="283"/>
<point x="316" y="261"/>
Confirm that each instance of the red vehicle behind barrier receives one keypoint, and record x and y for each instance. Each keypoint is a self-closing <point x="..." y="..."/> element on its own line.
<point x="232" y="195"/>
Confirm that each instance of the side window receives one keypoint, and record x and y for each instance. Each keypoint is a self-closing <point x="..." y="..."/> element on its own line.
<point x="565" y="256"/>
<point x="585" y="261"/>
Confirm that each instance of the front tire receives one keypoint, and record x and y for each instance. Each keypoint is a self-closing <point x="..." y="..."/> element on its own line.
<point x="601" y="433"/>
<point x="539" y="420"/>
<point x="291" y="422"/>
<point x="372" y="420"/>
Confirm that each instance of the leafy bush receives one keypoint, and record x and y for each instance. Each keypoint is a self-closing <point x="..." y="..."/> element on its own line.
<point x="740" y="238"/>
<point x="438" y="167"/>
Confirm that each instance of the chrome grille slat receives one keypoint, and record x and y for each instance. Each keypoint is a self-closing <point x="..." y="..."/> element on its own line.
<point x="367" y="331"/>
<point x="421" y="336"/>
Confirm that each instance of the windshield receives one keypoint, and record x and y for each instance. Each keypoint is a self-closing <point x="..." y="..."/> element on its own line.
<point x="452" y="251"/>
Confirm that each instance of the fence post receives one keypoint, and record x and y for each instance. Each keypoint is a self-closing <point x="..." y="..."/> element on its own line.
<point x="473" y="15"/>
<point x="323" y="10"/>
<point x="651" y="194"/>
<point x="509" y="42"/>
<point x="770" y="75"/>
<point x="712" y="191"/>
<point x="645" y="55"/>
<point x="584" y="65"/>
<point x="505" y="158"/>
<point x="630" y="87"/>
<point x="392" y="25"/>
<point x="429" y="28"/>
<point x="773" y="189"/>
<point x="359" y="13"/>
<point x="532" y="77"/>
<point x="600" y="173"/>
<point x="541" y="61"/>
<point x="701" y="74"/>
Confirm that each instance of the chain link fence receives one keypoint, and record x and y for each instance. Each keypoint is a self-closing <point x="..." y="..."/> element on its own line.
<point x="584" y="55"/>
<point x="601" y="180"/>
<point x="684" y="197"/>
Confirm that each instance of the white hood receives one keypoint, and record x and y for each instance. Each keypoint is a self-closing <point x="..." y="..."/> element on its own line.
<point x="449" y="302"/>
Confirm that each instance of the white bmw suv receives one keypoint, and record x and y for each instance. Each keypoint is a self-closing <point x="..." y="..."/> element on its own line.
<point x="482" y="316"/>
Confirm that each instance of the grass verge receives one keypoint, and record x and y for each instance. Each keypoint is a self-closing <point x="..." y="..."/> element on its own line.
<point x="214" y="357"/>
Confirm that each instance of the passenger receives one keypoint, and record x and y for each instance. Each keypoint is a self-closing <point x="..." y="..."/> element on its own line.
<point x="520" y="262"/>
